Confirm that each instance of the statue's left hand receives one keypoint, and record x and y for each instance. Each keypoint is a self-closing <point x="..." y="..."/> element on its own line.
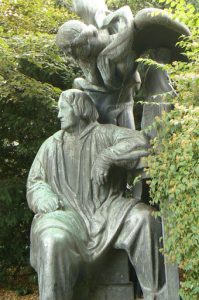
<point x="100" y="172"/>
<point x="49" y="204"/>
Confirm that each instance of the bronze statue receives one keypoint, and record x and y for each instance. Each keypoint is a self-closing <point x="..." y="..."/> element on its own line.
<point x="76" y="189"/>
<point x="77" y="182"/>
<point x="106" y="46"/>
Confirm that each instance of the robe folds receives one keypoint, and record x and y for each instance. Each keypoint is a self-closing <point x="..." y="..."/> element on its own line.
<point x="92" y="214"/>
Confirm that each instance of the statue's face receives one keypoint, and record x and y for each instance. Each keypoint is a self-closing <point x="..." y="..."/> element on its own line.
<point x="66" y="115"/>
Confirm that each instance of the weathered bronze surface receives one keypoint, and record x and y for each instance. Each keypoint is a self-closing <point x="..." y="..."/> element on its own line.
<point x="77" y="183"/>
<point x="76" y="188"/>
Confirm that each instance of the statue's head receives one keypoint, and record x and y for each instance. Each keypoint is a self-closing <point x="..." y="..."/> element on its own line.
<point x="87" y="9"/>
<point x="67" y="33"/>
<point x="75" y="106"/>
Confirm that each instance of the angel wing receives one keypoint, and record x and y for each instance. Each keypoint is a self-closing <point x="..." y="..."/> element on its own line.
<point x="155" y="28"/>
<point x="150" y="29"/>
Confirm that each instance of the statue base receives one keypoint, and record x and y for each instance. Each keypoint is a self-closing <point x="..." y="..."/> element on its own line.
<point x="116" y="292"/>
<point x="107" y="279"/>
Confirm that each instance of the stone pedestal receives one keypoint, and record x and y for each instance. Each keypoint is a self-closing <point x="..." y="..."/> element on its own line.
<point x="116" y="292"/>
<point x="111" y="279"/>
<point x="107" y="279"/>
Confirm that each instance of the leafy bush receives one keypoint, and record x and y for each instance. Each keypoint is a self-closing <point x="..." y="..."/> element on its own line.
<point x="173" y="165"/>
<point x="174" y="186"/>
<point x="32" y="75"/>
<point x="135" y="5"/>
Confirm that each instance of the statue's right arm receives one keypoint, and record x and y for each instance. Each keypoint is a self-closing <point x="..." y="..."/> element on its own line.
<point x="40" y="197"/>
<point x="123" y="13"/>
<point x="126" y="148"/>
<point x="119" y="48"/>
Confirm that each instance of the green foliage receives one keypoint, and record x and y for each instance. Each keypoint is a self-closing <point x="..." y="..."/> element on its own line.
<point x="185" y="74"/>
<point x="174" y="186"/>
<point x="32" y="75"/>
<point x="135" y="5"/>
<point x="173" y="164"/>
<point x="14" y="225"/>
<point x="23" y="17"/>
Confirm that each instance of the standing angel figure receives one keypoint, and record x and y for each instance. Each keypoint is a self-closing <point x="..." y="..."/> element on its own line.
<point x="106" y="46"/>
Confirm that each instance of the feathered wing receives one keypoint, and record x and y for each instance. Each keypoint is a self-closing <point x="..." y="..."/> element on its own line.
<point x="150" y="29"/>
<point x="87" y="9"/>
<point x="155" y="28"/>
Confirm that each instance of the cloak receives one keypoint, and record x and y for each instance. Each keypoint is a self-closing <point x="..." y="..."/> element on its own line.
<point x="93" y="214"/>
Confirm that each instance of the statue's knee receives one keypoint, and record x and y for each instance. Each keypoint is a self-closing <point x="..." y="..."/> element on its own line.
<point x="145" y="213"/>
<point x="54" y="239"/>
<point x="147" y="217"/>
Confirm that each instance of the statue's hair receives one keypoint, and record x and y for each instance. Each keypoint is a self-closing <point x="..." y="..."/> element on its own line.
<point x="87" y="9"/>
<point x="68" y="32"/>
<point x="81" y="103"/>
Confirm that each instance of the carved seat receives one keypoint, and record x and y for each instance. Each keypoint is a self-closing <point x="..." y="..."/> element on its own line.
<point x="109" y="278"/>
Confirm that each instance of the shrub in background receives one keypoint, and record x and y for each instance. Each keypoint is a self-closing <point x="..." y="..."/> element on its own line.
<point x="173" y="165"/>
<point x="174" y="186"/>
<point x="32" y="75"/>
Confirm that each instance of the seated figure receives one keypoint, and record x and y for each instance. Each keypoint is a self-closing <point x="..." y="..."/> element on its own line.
<point x="76" y="189"/>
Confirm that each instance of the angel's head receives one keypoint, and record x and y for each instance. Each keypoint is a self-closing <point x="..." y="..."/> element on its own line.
<point x="87" y="9"/>
<point x="67" y="33"/>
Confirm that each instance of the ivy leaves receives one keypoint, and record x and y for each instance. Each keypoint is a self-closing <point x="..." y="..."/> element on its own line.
<point x="173" y="167"/>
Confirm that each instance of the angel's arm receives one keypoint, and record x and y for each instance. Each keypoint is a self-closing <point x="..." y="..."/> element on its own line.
<point x="117" y="51"/>
<point x="124" y="13"/>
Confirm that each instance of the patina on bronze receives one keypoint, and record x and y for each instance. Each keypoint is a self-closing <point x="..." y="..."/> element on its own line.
<point x="106" y="46"/>
<point x="76" y="190"/>
<point x="77" y="182"/>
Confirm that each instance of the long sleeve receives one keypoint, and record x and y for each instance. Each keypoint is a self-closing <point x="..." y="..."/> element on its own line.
<point x="118" y="52"/>
<point x="128" y="146"/>
<point x="37" y="187"/>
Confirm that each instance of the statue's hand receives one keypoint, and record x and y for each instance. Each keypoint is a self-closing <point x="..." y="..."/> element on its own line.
<point x="82" y="38"/>
<point x="48" y="204"/>
<point x="100" y="172"/>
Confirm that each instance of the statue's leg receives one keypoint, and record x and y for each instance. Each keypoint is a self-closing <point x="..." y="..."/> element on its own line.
<point x="57" y="245"/>
<point x="58" y="266"/>
<point x="140" y="237"/>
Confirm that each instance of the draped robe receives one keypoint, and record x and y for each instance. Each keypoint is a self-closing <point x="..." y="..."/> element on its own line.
<point x="63" y="166"/>
<point x="92" y="217"/>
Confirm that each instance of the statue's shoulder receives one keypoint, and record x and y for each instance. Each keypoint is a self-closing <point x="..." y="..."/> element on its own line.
<point x="57" y="136"/>
<point x="106" y="128"/>
<point x="110" y="131"/>
<point x="115" y="132"/>
<point x="53" y="139"/>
